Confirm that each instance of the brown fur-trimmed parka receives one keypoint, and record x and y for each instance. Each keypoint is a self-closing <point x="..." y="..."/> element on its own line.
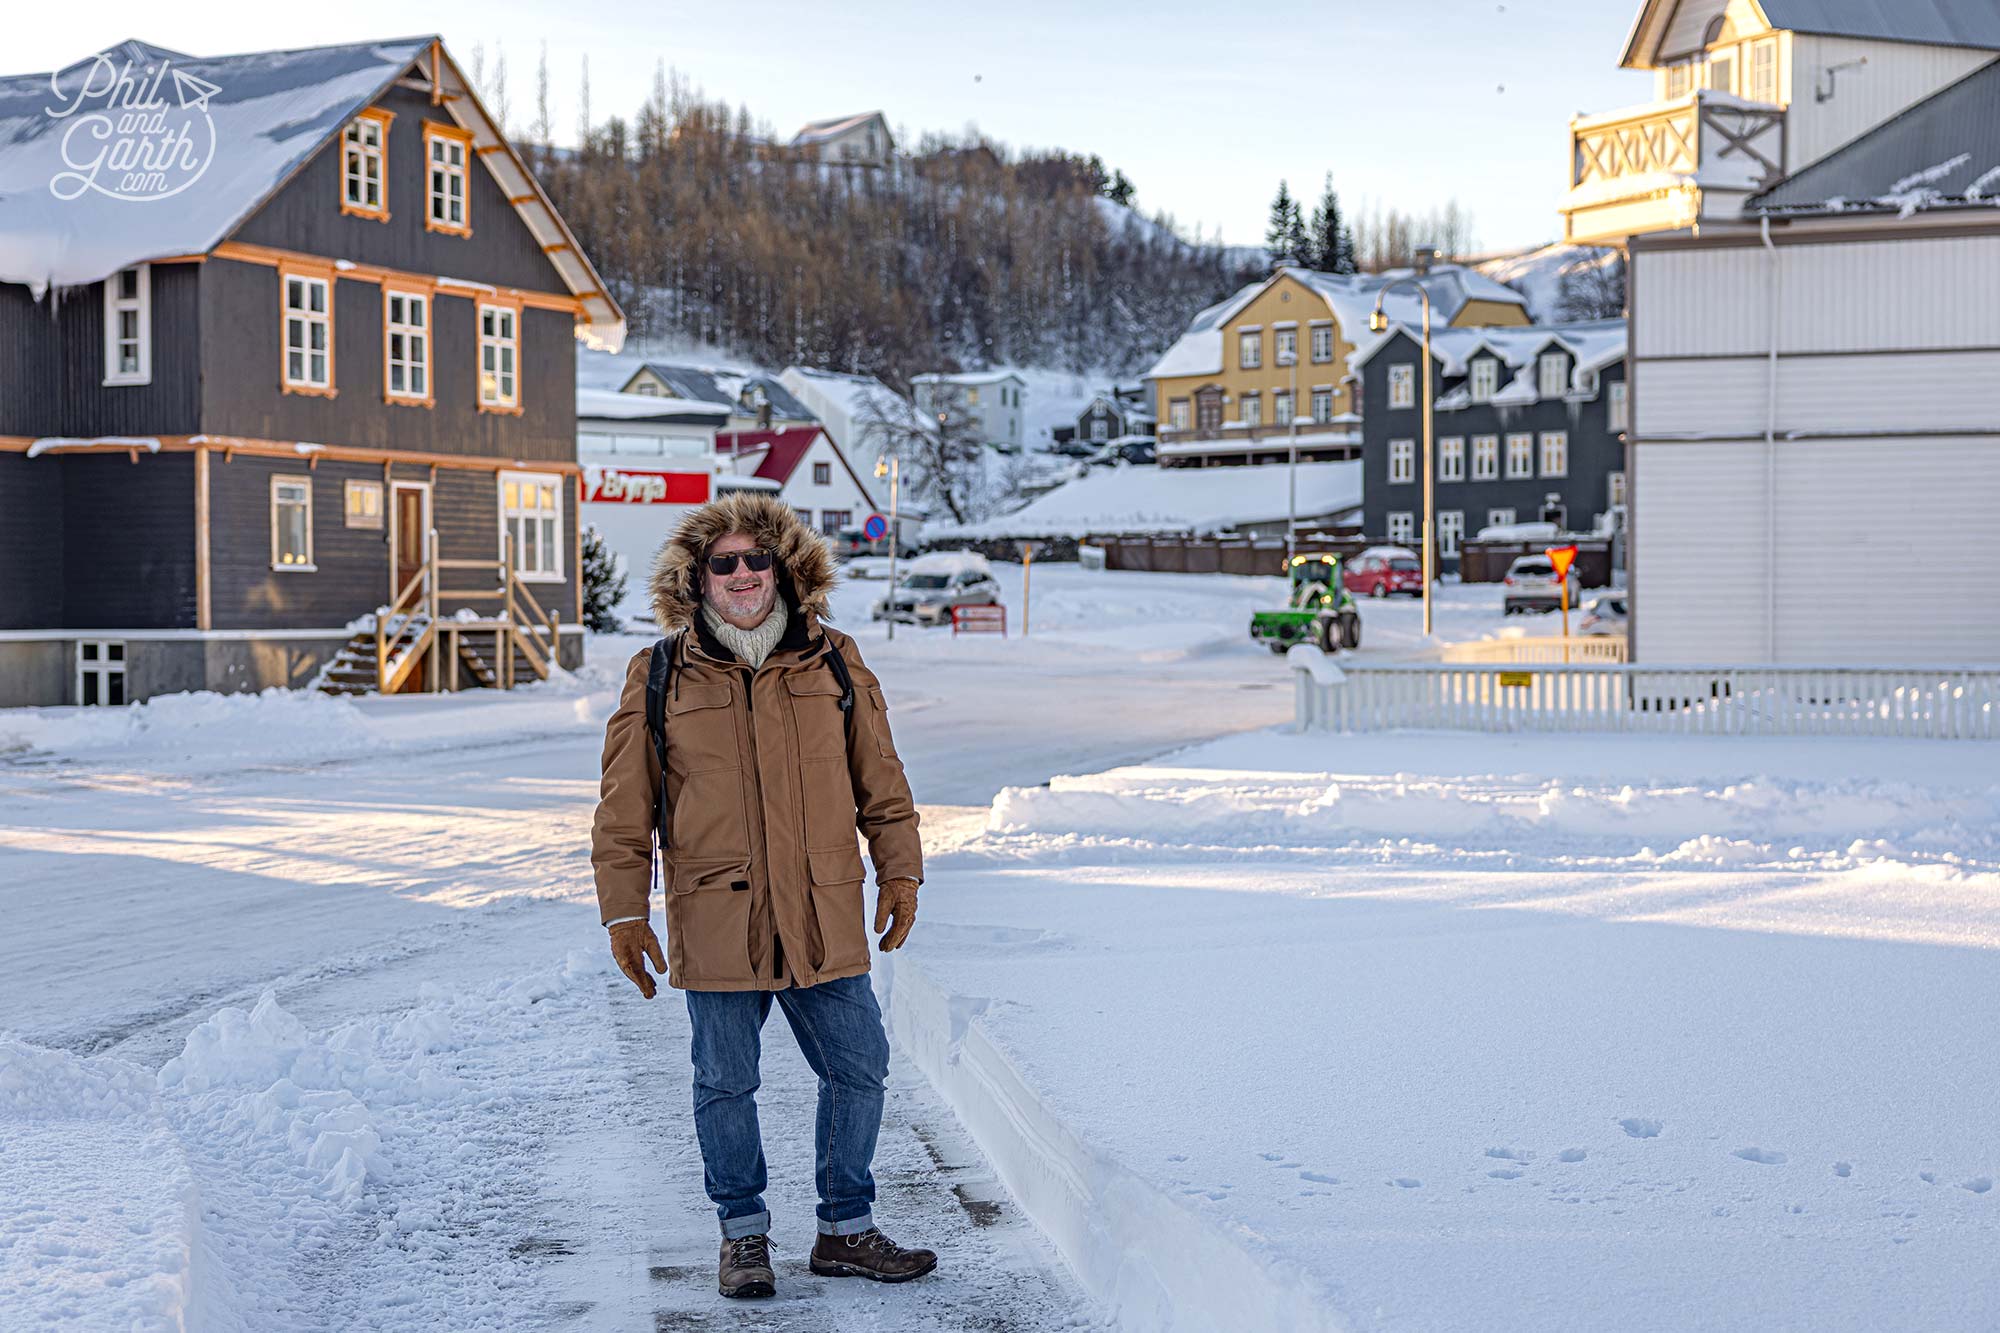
<point x="766" y="782"/>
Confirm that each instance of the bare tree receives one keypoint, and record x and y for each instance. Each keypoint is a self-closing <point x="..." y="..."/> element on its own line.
<point x="944" y="459"/>
<point x="541" y="130"/>
<point x="1592" y="287"/>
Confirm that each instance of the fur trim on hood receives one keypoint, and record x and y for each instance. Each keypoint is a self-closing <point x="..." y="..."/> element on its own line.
<point x="805" y="563"/>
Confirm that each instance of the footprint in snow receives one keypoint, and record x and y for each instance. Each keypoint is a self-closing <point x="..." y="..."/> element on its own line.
<point x="1843" y="1169"/>
<point x="1978" y="1184"/>
<point x="1928" y="1177"/>
<point x="1511" y="1154"/>
<point x="1761" y="1156"/>
<point x="1405" y="1182"/>
<point x="1505" y="1173"/>
<point x="1571" y="1155"/>
<point x="1319" y="1178"/>
<point x="1640" y="1128"/>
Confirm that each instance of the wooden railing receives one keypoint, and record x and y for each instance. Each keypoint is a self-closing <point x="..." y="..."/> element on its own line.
<point x="406" y="630"/>
<point x="535" y="633"/>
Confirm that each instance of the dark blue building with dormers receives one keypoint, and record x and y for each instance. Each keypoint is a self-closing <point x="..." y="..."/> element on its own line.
<point x="1529" y="424"/>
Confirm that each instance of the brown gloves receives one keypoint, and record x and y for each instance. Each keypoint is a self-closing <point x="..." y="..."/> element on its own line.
<point x="632" y="942"/>
<point x="896" y="897"/>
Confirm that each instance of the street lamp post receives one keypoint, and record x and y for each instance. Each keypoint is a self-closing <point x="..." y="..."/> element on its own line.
<point x="1379" y="323"/>
<point x="1292" y="464"/>
<point x="892" y="466"/>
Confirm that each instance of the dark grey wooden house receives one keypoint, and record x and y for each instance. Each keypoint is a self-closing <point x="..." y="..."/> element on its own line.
<point x="315" y="362"/>
<point x="1118" y="414"/>
<point x="1528" y="422"/>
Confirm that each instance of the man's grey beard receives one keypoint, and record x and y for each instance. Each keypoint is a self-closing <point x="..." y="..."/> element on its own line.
<point x="738" y="605"/>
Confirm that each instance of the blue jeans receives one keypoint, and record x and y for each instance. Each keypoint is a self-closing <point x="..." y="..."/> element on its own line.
<point x="839" y="1029"/>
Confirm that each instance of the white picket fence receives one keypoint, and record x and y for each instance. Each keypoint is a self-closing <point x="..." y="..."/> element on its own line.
<point x="1553" y="648"/>
<point x="1944" y="704"/>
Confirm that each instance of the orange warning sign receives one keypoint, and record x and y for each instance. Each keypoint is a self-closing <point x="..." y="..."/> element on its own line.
<point x="1561" y="557"/>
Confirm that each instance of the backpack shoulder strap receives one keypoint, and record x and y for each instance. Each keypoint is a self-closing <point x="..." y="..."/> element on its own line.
<point x="659" y="680"/>
<point x="840" y="673"/>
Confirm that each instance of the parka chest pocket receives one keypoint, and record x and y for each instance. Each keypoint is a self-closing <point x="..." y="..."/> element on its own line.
<point x="701" y="729"/>
<point x="822" y="727"/>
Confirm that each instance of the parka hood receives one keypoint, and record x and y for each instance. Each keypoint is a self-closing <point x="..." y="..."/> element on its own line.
<point x="805" y="565"/>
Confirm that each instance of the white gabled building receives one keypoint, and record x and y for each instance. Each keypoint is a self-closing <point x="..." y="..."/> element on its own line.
<point x="858" y="140"/>
<point x="993" y="397"/>
<point x="1814" y="454"/>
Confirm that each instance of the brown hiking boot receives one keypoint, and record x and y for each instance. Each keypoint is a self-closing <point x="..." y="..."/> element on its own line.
<point x="746" y="1267"/>
<point x="869" y="1254"/>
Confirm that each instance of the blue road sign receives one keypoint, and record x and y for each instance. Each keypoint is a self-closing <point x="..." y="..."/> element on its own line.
<point x="875" y="527"/>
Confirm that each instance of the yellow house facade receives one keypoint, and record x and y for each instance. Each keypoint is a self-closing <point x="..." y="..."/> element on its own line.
<point x="1227" y="391"/>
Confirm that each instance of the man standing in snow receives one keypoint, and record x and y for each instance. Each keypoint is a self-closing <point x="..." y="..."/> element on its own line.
<point x="777" y="748"/>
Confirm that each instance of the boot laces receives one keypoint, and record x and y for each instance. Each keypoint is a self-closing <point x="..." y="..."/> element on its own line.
<point x="874" y="1240"/>
<point x="753" y="1251"/>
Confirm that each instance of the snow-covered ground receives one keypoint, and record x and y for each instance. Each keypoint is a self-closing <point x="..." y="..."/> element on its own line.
<point x="305" y="1018"/>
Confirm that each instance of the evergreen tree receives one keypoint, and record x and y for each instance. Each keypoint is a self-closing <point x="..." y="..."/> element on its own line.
<point x="1120" y="190"/>
<point x="1285" y="238"/>
<point x="603" y="584"/>
<point x="1330" y="242"/>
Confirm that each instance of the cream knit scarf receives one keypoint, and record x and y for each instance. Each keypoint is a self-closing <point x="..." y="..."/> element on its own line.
<point x="749" y="645"/>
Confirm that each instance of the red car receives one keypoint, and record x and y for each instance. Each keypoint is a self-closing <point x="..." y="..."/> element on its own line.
<point x="1384" y="571"/>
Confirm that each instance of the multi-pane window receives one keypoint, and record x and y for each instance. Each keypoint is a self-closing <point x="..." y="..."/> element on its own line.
<point x="364" y="504"/>
<point x="1678" y="76"/>
<point x="1402" y="527"/>
<point x="291" y="523"/>
<point x="531" y="519"/>
<point x="1250" y="349"/>
<point x="308" y="332"/>
<point x="445" y="150"/>
<point x="1253" y="410"/>
<point x="406" y="346"/>
<point x="1485" y="379"/>
<point x="1554" y="370"/>
<point x="1451" y="528"/>
<point x="1281" y="407"/>
<point x="1322" y="401"/>
<point x="100" y="672"/>
<point x="1485" y="457"/>
<point x="1403" y="385"/>
<point x="822" y="474"/>
<point x="1499" y="518"/>
<point x="1177" y="413"/>
<point x="1614" y="405"/>
<point x="1451" y="458"/>
<point x="363" y="190"/>
<point x="128" y="326"/>
<point x="831" y="521"/>
<point x="499" y="355"/>
<point x="1520" y="456"/>
<point x="1322" y="342"/>
<point x="1555" y="453"/>
<point x="1402" y="461"/>
<point x="1615" y="487"/>
<point x="1764" y="70"/>
<point x="1285" y="346"/>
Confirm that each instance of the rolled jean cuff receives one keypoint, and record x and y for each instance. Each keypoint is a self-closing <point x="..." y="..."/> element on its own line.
<point x="847" y="1226"/>
<point x="750" y="1224"/>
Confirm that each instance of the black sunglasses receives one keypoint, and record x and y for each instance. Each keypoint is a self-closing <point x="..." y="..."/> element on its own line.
<point x="724" y="565"/>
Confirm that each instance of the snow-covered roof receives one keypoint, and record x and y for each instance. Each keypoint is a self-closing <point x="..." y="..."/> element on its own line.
<point x="1538" y="274"/>
<point x="711" y="384"/>
<point x="611" y="405"/>
<point x="947" y="562"/>
<point x="968" y="377"/>
<point x="1149" y="498"/>
<point x="1388" y="553"/>
<point x="252" y="120"/>
<point x="1592" y="344"/>
<point x="1199" y="350"/>
<point x="819" y="131"/>
<point x="1944" y="152"/>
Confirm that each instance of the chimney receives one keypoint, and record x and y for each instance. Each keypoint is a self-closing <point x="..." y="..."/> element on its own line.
<point x="1426" y="256"/>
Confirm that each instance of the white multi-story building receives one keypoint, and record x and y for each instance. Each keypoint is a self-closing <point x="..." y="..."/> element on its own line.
<point x="858" y="140"/>
<point x="993" y="397"/>
<point x="1814" y="255"/>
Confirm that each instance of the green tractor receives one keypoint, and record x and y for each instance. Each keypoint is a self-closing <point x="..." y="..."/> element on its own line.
<point x="1321" y="611"/>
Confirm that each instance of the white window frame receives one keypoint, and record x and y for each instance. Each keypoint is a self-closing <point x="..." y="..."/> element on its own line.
<point x="96" y="660"/>
<point x="1285" y="347"/>
<point x="1402" y="527"/>
<point x="1250" y="349"/>
<point x="419" y="333"/>
<point x="1451" y="458"/>
<point x="1100" y="430"/>
<point x="545" y="538"/>
<point x="361" y="504"/>
<point x="1322" y="342"/>
<point x="1555" y="453"/>
<point x="491" y="399"/>
<point x="1496" y="518"/>
<point x="1520" y="455"/>
<point x="1615" y="410"/>
<point x="440" y="170"/>
<point x="1450" y="531"/>
<point x="1485" y="379"/>
<point x="140" y="306"/>
<point x="1177" y="413"/>
<point x="302" y="319"/>
<point x="303" y="502"/>
<point x="1403" y="385"/>
<point x="1402" y="462"/>
<point x="1486" y="458"/>
<point x="1250" y="409"/>
<point x="1763" y="60"/>
<point x="1322" y="405"/>
<point x="1552" y="372"/>
<point x="356" y="154"/>
<point x="822" y="474"/>
<point x="1281" y="407"/>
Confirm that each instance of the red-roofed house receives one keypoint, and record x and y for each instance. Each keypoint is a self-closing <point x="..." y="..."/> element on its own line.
<point x="813" y="475"/>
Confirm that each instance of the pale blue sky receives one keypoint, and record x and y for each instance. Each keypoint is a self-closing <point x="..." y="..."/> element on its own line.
<point x="1205" y="106"/>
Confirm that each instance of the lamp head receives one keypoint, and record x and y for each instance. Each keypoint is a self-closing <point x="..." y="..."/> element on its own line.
<point x="1377" y="321"/>
<point x="881" y="467"/>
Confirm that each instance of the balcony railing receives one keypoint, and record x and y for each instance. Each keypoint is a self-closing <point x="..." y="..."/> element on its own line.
<point x="1669" y="164"/>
